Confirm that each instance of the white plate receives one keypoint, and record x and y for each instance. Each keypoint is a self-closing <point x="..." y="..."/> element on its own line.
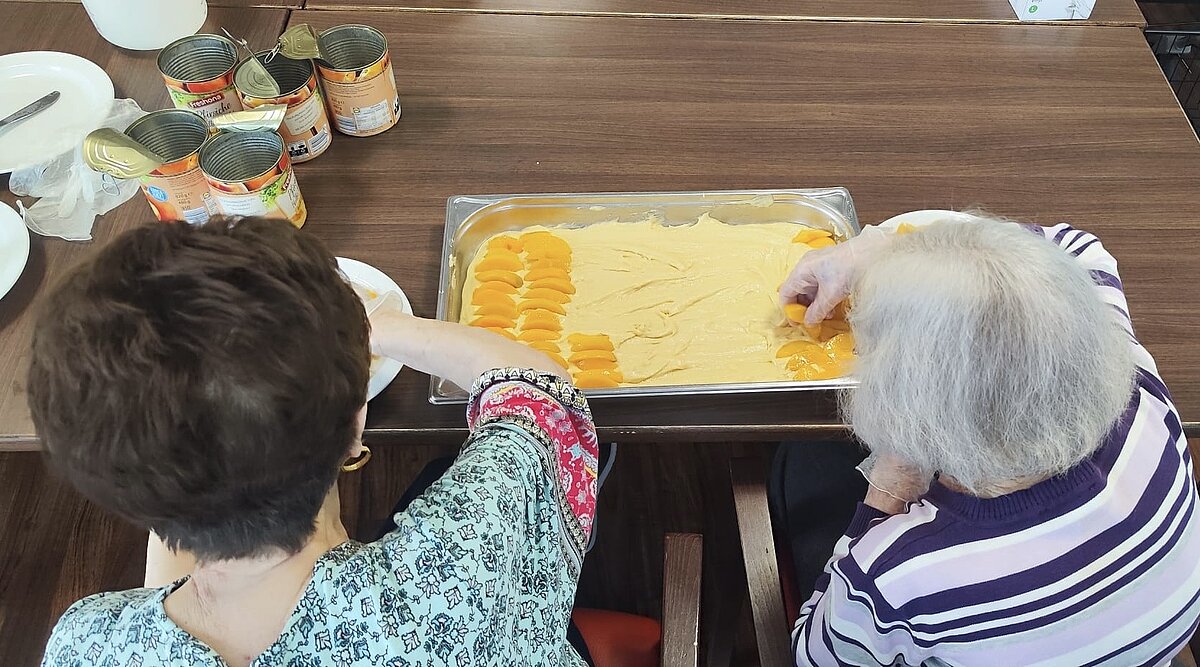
<point x="87" y="98"/>
<point x="925" y="217"/>
<point x="14" y="247"/>
<point x="378" y="281"/>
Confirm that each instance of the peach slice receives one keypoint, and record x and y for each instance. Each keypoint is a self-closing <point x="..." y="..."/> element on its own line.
<point x="508" y="243"/>
<point x="538" y="335"/>
<point x="833" y="327"/>
<point x="600" y="379"/>
<point x="557" y="358"/>
<point x="823" y="242"/>
<point x="484" y="297"/>
<point x="505" y="262"/>
<point x="841" y="346"/>
<point x="549" y="347"/>
<point x="577" y="357"/>
<point x="500" y="276"/>
<point x="795" y="311"/>
<point x="498" y="286"/>
<point x="808" y="235"/>
<point x="535" y="264"/>
<point x="541" y="319"/>
<point x="547" y="272"/>
<point x="490" y="321"/>
<point x="596" y="365"/>
<point x="506" y="310"/>
<point x="580" y="342"/>
<point x="547" y="294"/>
<point x="556" y="284"/>
<point x="541" y="304"/>
<point x="798" y="347"/>
<point x="503" y="332"/>
<point x="544" y="243"/>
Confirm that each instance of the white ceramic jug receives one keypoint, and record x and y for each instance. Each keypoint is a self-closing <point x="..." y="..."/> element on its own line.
<point x="145" y="25"/>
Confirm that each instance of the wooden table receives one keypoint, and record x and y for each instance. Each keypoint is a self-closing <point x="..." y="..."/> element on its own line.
<point x="907" y="116"/>
<point x="1107" y="12"/>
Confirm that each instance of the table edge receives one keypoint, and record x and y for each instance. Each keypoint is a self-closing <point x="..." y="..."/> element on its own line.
<point x="779" y="18"/>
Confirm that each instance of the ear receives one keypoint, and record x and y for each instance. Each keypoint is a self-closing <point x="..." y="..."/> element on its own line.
<point x="360" y="422"/>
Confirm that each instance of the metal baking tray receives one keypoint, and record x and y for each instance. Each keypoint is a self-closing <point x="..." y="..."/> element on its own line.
<point x="472" y="219"/>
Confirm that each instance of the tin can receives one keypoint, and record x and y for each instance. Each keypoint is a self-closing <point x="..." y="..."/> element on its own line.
<point x="305" y="127"/>
<point x="360" y="86"/>
<point x="250" y="174"/>
<point x="176" y="190"/>
<point x="198" y="70"/>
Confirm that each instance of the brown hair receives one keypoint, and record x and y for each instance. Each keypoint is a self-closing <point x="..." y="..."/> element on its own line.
<point x="203" y="381"/>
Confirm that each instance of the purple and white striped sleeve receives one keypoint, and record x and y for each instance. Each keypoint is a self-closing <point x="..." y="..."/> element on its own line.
<point x="1102" y="266"/>
<point x="817" y="639"/>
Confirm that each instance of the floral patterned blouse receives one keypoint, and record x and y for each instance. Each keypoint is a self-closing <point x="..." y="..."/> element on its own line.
<point x="481" y="569"/>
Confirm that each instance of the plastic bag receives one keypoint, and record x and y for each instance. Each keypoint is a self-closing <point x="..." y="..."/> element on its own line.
<point x="71" y="195"/>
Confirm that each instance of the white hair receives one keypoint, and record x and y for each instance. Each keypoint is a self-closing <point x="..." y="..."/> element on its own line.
<point x="985" y="353"/>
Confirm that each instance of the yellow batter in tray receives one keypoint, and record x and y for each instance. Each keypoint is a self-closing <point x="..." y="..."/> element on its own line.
<point x="644" y="304"/>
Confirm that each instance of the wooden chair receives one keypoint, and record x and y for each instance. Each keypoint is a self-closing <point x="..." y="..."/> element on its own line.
<point x="771" y="624"/>
<point x="617" y="639"/>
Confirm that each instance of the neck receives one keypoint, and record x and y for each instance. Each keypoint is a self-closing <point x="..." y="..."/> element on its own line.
<point x="990" y="489"/>
<point x="215" y="581"/>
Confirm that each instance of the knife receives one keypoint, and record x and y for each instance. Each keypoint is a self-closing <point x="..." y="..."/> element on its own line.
<point x="37" y="107"/>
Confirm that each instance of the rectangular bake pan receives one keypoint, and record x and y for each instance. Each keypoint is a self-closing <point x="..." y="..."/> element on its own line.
<point x="472" y="219"/>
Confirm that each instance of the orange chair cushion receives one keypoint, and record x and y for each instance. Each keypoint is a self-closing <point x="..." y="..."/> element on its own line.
<point x="619" y="640"/>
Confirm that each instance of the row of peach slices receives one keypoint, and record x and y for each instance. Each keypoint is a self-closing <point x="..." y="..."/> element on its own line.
<point x="524" y="288"/>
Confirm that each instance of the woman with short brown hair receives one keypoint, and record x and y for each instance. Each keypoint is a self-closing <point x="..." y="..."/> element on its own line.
<point x="207" y="382"/>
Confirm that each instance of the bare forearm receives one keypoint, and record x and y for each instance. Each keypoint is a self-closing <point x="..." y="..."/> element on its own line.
<point x="452" y="351"/>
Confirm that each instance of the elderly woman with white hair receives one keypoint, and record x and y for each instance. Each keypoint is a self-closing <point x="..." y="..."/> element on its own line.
<point x="1029" y="497"/>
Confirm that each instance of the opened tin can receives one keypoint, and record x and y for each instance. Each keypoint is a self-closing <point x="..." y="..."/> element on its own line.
<point x="250" y="174"/>
<point x="305" y="128"/>
<point x="198" y="70"/>
<point x="176" y="190"/>
<point x="360" y="87"/>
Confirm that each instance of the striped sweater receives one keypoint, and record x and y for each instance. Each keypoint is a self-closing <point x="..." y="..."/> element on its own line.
<point x="1098" y="566"/>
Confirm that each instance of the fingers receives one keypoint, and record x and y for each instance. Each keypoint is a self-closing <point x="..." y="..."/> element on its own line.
<point x="800" y="285"/>
<point x="827" y="298"/>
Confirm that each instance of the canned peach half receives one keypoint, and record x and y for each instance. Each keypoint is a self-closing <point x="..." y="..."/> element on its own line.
<point x="360" y="86"/>
<point x="250" y="174"/>
<point x="305" y="128"/>
<point x="176" y="190"/>
<point x="198" y="71"/>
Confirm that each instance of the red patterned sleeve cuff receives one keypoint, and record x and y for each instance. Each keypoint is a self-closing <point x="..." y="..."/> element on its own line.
<point x="557" y="414"/>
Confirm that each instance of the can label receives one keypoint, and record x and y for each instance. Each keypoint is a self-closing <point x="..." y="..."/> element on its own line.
<point x="207" y="98"/>
<point x="362" y="102"/>
<point x="305" y="129"/>
<point x="179" y="191"/>
<point x="273" y="195"/>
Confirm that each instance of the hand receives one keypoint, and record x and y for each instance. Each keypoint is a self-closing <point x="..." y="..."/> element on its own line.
<point x="824" y="277"/>
<point x="894" y="483"/>
<point x="387" y="316"/>
<point x="449" y="350"/>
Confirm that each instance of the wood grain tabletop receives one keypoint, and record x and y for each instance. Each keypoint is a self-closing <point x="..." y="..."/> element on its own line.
<point x="1107" y="12"/>
<point x="1040" y="123"/>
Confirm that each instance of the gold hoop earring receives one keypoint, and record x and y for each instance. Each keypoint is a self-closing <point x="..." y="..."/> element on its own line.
<point x="357" y="463"/>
